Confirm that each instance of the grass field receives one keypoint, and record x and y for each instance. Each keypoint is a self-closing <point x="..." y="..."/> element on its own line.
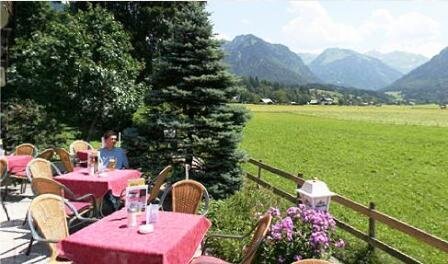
<point x="395" y="156"/>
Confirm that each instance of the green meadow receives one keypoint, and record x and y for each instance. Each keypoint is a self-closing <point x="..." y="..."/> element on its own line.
<point x="395" y="156"/>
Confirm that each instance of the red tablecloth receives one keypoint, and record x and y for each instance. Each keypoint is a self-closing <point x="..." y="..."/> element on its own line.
<point x="174" y="240"/>
<point x="80" y="182"/>
<point x="17" y="163"/>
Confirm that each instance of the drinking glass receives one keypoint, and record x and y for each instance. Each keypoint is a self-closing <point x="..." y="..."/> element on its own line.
<point x="152" y="213"/>
<point x="112" y="162"/>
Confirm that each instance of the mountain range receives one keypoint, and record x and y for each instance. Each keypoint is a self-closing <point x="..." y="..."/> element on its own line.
<point x="349" y="68"/>
<point x="306" y="57"/>
<point x="427" y="83"/>
<point x="248" y="55"/>
<point x="399" y="60"/>
<point x="251" y="56"/>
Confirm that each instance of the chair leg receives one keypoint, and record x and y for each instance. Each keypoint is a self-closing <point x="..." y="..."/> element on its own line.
<point x="23" y="187"/>
<point x="6" y="191"/>
<point x="30" y="245"/>
<point x="4" y="207"/>
<point x="25" y="219"/>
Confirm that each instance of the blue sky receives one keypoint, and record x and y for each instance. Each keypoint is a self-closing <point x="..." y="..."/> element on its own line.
<point x="312" y="26"/>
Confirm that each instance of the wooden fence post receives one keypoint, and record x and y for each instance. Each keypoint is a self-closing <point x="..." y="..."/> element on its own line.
<point x="372" y="230"/>
<point x="259" y="173"/>
<point x="300" y="175"/>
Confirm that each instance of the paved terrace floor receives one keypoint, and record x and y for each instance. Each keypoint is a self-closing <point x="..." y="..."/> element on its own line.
<point x="14" y="237"/>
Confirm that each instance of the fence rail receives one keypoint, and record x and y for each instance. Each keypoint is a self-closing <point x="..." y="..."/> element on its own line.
<point x="369" y="212"/>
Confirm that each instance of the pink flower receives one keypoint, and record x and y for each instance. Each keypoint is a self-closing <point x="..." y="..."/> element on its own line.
<point x="340" y="243"/>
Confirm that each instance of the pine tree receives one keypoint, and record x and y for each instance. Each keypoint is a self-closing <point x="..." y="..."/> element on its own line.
<point x="189" y="119"/>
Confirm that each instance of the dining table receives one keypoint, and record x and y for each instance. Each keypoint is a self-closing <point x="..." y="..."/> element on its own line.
<point x="80" y="182"/>
<point x="109" y="182"/>
<point x="174" y="240"/>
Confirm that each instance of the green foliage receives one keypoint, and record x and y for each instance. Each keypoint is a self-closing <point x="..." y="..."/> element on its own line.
<point x="28" y="122"/>
<point x="188" y="113"/>
<point x="30" y="17"/>
<point x="145" y="23"/>
<point x="81" y="69"/>
<point x="237" y="215"/>
<point x="302" y="94"/>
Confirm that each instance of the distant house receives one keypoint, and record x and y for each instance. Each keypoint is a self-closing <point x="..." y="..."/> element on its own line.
<point x="266" y="101"/>
<point x="326" y="101"/>
<point x="322" y="101"/>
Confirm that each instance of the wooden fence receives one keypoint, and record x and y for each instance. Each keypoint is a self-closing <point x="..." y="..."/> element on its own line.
<point x="370" y="212"/>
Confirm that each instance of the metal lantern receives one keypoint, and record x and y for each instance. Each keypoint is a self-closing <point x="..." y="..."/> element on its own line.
<point x="315" y="194"/>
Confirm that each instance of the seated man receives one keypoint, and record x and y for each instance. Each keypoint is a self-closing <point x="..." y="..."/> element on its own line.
<point x="110" y="154"/>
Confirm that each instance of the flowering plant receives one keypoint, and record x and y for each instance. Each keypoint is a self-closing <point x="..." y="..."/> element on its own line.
<point x="302" y="233"/>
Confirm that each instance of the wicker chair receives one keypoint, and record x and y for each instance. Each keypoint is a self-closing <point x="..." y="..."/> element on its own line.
<point x="259" y="232"/>
<point x="161" y="178"/>
<point x="312" y="261"/>
<point x="187" y="196"/>
<point x="40" y="168"/>
<point x="46" y="154"/>
<point x="64" y="156"/>
<point x="26" y="149"/>
<point x="83" y="204"/>
<point x="3" y="175"/>
<point x="47" y="212"/>
<point x="79" y="145"/>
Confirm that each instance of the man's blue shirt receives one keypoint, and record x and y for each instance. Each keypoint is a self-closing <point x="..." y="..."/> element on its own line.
<point x="121" y="161"/>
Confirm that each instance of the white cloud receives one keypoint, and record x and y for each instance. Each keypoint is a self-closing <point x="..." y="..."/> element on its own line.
<point x="222" y="36"/>
<point x="313" y="28"/>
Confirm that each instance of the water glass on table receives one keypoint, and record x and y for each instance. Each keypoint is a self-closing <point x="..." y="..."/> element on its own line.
<point x="152" y="213"/>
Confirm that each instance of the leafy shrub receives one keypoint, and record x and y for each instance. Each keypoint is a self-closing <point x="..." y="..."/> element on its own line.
<point x="28" y="122"/>
<point x="302" y="233"/>
<point x="237" y="215"/>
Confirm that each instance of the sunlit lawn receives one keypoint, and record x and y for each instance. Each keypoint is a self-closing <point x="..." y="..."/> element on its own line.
<point x="395" y="156"/>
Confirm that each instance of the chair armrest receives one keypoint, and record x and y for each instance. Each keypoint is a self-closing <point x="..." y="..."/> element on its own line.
<point x="85" y="219"/>
<point x="77" y="215"/>
<point x="207" y="200"/>
<point x="88" y="196"/>
<point x="165" y="193"/>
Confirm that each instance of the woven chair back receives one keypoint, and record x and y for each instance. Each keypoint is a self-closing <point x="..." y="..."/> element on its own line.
<point x="47" y="212"/>
<point x="79" y="145"/>
<point x="40" y="168"/>
<point x="25" y="149"/>
<point x="64" y="156"/>
<point x="259" y="233"/>
<point x="161" y="178"/>
<point x="311" y="261"/>
<point x="186" y="196"/>
<point x="46" y="154"/>
<point x="44" y="185"/>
